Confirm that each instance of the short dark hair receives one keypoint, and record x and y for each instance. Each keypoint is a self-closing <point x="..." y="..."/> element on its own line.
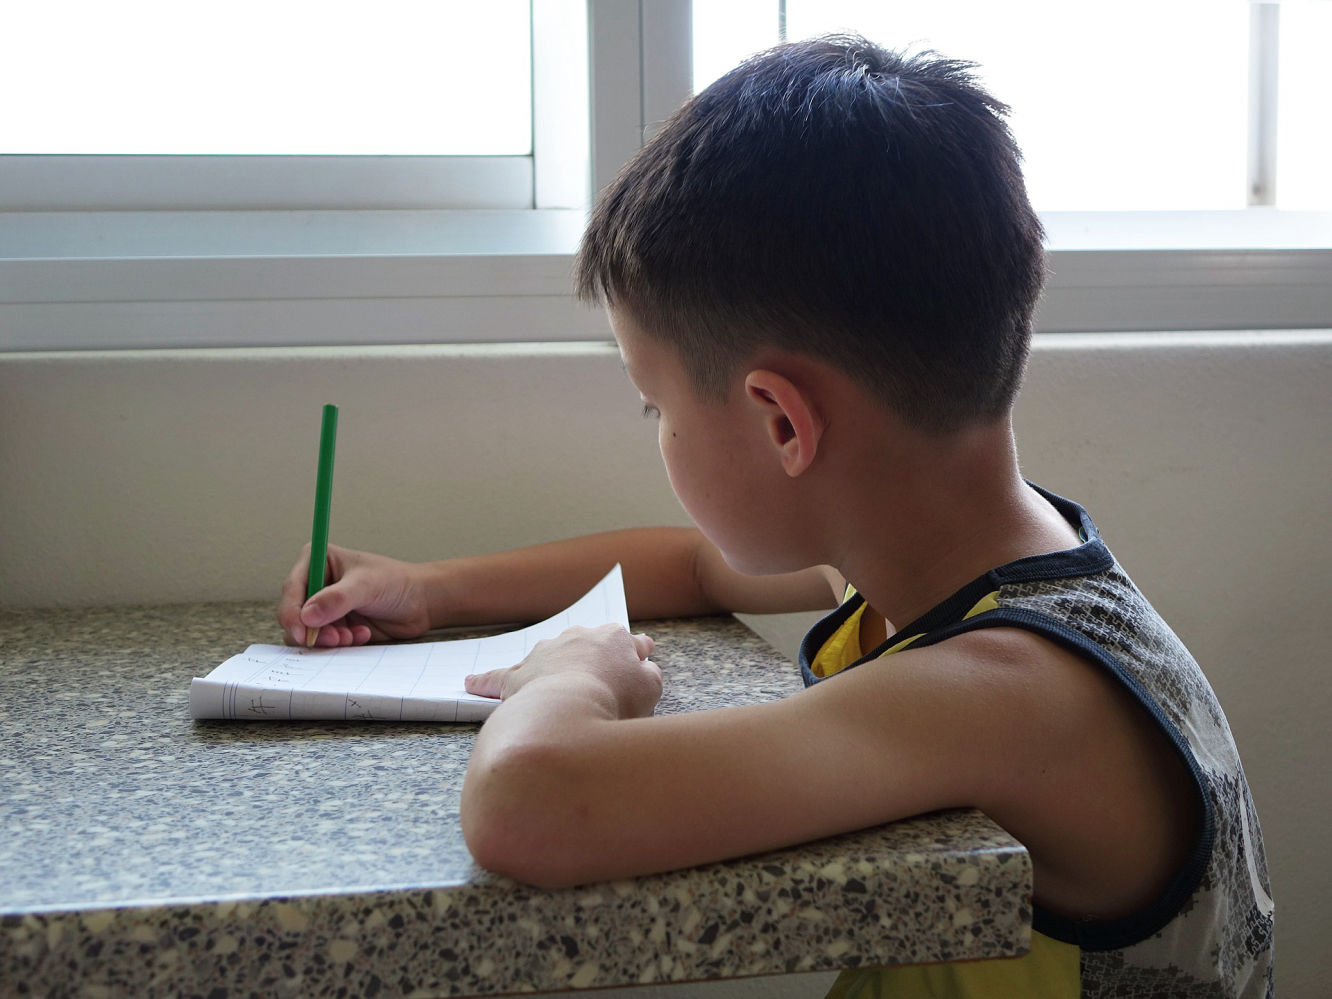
<point x="834" y="198"/>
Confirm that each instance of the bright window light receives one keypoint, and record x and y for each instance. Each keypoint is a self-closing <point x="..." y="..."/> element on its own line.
<point x="725" y="31"/>
<point x="268" y="77"/>
<point x="1132" y="105"/>
<point x="1304" y="142"/>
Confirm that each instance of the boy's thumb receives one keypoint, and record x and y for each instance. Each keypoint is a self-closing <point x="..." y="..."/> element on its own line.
<point x="329" y="604"/>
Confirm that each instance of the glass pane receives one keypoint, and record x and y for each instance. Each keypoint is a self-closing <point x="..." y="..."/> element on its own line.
<point x="1304" y="141"/>
<point x="726" y="31"/>
<point x="1132" y="105"/>
<point x="261" y="77"/>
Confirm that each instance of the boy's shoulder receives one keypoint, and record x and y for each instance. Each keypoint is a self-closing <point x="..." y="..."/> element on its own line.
<point x="1037" y="736"/>
<point x="1023" y="694"/>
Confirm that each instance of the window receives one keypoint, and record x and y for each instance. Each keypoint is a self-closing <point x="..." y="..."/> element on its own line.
<point x="105" y="244"/>
<point x="1304" y="142"/>
<point x="257" y="77"/>
<point x="1137" y="105"/>
<point x="148" y="104"/>
<point x="1175" y="148"/>
<point x="144" y="251"/>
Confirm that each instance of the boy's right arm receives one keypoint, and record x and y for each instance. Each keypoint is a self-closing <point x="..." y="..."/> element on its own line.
<point x="668" y="572"/>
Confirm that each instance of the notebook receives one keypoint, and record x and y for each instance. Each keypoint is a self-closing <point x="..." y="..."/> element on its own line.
<point x="408" y="682"/>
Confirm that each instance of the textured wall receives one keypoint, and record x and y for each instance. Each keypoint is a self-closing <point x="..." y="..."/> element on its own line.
<point x="162" y="476"/>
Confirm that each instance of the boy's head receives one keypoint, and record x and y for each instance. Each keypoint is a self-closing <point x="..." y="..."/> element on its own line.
<point x="841" y="201"/>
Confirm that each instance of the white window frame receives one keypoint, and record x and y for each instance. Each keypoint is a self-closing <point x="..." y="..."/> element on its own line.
<point x="263" y="273"/>
<point x="554" y="175"/>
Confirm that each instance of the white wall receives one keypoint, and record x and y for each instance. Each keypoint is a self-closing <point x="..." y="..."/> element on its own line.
<point x="187" y="475"/>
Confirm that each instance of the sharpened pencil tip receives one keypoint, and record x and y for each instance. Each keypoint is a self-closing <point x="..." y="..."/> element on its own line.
<point x="310" y="635"/>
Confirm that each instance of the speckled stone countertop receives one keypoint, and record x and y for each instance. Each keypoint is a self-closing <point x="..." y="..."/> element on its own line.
<point x="144" y="853"/>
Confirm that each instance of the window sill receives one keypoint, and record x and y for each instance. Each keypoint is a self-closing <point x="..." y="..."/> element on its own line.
<point x="109" y="280"/>
<point x="1139" y="271"/>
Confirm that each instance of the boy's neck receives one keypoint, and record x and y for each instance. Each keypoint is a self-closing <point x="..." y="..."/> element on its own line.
<point x="939" y="515"/>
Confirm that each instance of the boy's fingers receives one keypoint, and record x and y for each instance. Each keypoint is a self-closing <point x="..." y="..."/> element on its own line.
<point x="331" y="636"/>
<point x="486" y="684"/>
<point x="292" y="599"/>
<point x="332" y="603"/>
<point x="643" y="645"/>
<point x="329" y="605"/>
<point x="361" y="629"/>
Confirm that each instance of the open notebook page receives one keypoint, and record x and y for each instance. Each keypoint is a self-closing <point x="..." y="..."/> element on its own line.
<point x="406" y="682"/>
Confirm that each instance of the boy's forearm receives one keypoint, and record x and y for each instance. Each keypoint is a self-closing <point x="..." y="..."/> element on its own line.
<point x="532" y="583"/>
<point x="668" y="572"/>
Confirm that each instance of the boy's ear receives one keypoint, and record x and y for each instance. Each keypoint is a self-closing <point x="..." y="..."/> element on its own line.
<point x="793" y="425"/>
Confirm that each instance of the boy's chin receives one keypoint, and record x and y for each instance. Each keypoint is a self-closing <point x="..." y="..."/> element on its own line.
<point x="761" y="563"/>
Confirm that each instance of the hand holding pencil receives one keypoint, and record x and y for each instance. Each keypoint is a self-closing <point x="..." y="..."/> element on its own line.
<point x="336" y="596"/>
<point x="367" y="598"/>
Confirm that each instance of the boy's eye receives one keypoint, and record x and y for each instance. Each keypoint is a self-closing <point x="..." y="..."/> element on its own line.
<point x="650" y="411"/>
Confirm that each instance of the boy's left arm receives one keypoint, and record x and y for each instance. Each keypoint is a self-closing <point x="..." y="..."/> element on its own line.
<point x="572" y="780"/>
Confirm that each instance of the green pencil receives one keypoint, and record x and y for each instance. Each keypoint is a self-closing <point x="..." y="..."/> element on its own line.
<point x="323" y="506"/>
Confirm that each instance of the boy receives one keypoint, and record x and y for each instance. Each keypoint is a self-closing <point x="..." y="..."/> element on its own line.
<point x="821" y="275"/>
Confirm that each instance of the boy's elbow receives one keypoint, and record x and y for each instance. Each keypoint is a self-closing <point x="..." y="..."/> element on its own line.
<point x="497" y="845"/>
<point x="514" y="826"/>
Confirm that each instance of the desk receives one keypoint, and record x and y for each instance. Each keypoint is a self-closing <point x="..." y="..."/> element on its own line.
<point x="146" y="854"/>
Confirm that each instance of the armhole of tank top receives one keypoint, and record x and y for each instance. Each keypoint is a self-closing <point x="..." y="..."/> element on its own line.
<point x="1131" y="929"/>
